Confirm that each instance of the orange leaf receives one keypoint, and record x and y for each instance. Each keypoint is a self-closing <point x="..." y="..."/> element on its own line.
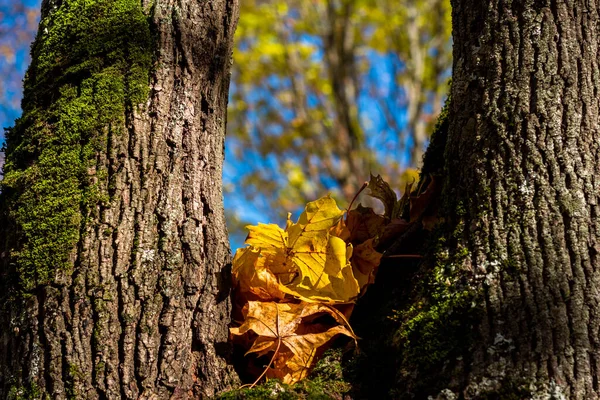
<point x="341" y="230"/>
<point x="282" y="328"/>
<point x="295" y="364"/>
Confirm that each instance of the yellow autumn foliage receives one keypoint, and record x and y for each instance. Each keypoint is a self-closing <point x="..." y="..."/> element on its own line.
<point x="286" y="278"/>
<point x="305" y="259"/>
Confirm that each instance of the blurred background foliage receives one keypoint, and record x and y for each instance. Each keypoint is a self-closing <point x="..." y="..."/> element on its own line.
<point x="323" y="93"/>
<point x="18" y="25"/>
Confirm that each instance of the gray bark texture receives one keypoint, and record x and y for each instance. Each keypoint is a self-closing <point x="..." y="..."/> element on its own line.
<point x="139" y="307"/>
<point x="521" y="175"/>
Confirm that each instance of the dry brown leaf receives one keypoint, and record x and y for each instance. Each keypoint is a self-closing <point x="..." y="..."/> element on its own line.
<point x="365" y="260"/>
<point x="282" y="328"/>
<point x="381" y="190"/>
<point x="364" y="224"/>
<point x="420" y="203"/>
<point x="393" y="230"/>
<point x="430" y="221"/>
<point x="403" y="202"/>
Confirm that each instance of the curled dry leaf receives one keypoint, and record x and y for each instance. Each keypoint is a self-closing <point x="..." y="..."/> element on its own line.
<point x="419" y="204"/>
<point x="394" y="207"/>
<point x="381" y="190"/>
<point x="403" y="202"/>
<point x="394" y="229"/>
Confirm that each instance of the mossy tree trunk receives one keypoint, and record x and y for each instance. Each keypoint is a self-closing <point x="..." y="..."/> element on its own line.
<point x="509" y="305"/>
<point x="115" y="247"/>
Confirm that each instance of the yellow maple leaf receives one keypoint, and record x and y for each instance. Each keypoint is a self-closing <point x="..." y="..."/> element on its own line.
<point x="283" y="328"/>
<point x="308" y="261"/>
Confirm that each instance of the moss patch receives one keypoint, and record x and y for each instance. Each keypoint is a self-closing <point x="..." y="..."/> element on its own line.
<point x="326" y="381"/>
<point x="30" y="392"/>
<point x="90" y="66"/>
<point x="431" y="307"/>
<point x="436" y="326"/>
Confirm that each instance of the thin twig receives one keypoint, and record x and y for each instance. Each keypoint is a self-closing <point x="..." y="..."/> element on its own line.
<point x="404" y="256"/>
<point x="398" y="242"/>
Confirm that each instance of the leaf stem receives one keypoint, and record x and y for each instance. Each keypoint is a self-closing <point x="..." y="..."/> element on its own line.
<point x="363" y="187"/>
<point x="268" y="366"/>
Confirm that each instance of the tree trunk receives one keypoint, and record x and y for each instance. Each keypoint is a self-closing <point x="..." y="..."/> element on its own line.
<point x="114" y="270"/>
<point x="510" y="304"/>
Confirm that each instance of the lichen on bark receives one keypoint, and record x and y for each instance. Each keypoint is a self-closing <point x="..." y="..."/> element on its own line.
<point x="90" y="64"/>
<point x="520" y="193"/>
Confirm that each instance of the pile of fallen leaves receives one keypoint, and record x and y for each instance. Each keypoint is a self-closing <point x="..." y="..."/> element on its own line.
<point x="297" y="286"/>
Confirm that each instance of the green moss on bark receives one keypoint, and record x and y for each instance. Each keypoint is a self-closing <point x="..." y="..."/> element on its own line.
<point x="437" y="326"/>
<point x="90" y="67"/>
<point x="432" y="321"/>
<point x="436" y="321"/>
<point x="30" y="392"/>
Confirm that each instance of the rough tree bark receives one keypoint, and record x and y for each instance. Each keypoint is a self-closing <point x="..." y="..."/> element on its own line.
<point x="115" y="245"/>
<point x="509" y="306"/>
